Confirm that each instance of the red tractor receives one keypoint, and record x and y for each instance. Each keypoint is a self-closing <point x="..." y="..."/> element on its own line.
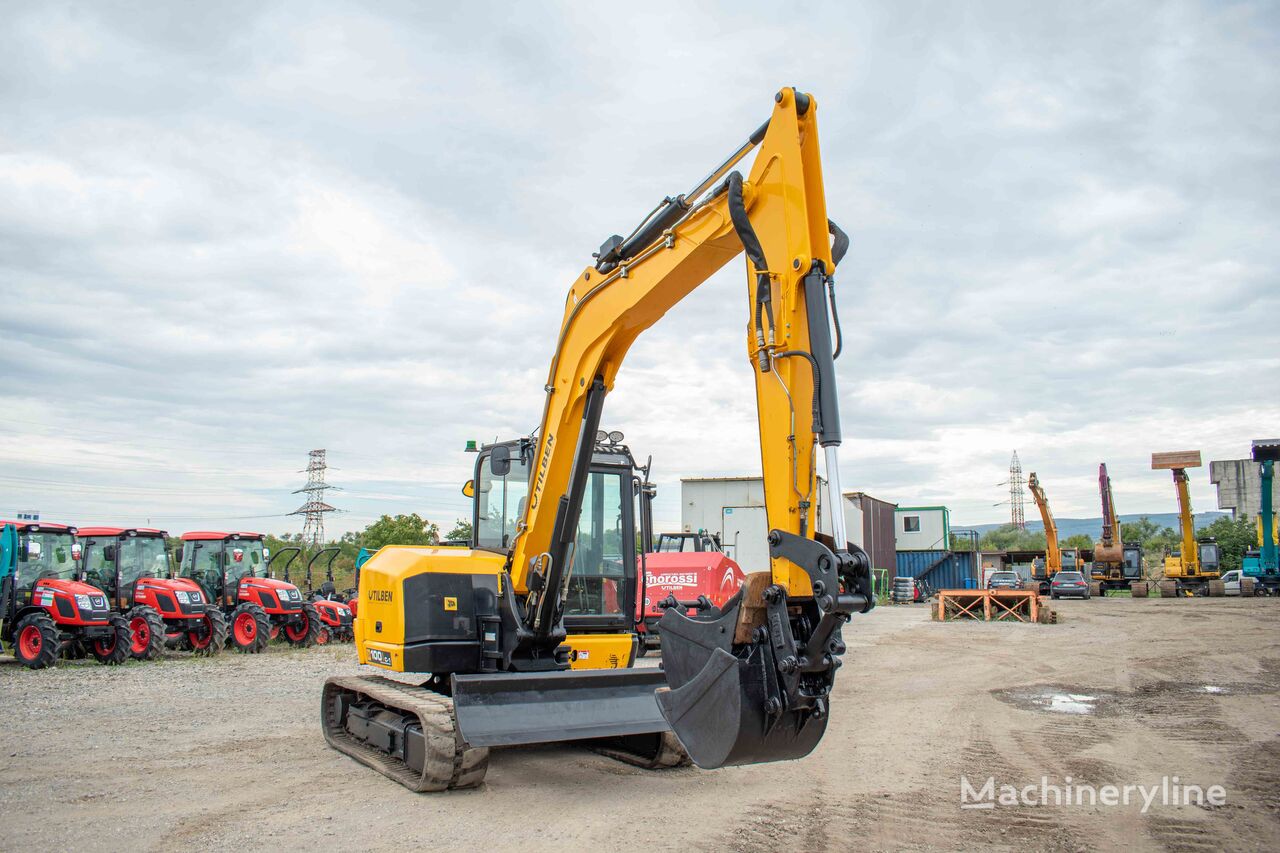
<point x="336" y="617"/>
<point x="132" y="566"/>
<point x="231" y="569"/>
<point x="44" y="610"/>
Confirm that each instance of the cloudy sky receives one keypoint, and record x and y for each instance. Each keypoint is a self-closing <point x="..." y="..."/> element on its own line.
<point x="231" y="233"/>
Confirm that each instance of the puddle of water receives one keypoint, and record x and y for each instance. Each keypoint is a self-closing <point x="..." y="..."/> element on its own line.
<point x="1056" y="700"/>
<point x="1213" y="688"/>
<point x="1073" y="703"/>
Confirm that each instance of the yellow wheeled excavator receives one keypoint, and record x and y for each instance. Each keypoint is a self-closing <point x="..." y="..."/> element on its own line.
<point x="744" y="683"/>
<point x="1197" y="568"/>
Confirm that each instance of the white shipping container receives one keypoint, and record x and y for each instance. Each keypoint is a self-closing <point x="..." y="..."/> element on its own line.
<point x="733" y="509"/>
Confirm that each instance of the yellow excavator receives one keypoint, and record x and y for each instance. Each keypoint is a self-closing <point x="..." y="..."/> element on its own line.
<point x="1197" y="568"/>
<point x="744" y="683"/>
<point x="1056" y="558"/>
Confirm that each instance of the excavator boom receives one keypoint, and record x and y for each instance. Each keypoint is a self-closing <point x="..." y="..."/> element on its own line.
<point x="1052" y="551"/>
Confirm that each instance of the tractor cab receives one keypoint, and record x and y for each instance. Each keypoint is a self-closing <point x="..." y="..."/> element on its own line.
<point x="44" y="608"/>
<point x="132" y="566"/>
<point x="232" y="569"/>
<point x="222" y="562"/>
<point x="675" y="542"/>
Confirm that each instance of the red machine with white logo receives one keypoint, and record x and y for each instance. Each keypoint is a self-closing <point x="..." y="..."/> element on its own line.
<point x="132" y="567"/>
<point x="687" y="567"/>
<point x="44" y="610"/>
<point x="231" y="568"/>
<point x="337" y="617"/>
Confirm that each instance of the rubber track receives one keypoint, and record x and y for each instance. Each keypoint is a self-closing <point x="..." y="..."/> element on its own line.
<point x="449" y="764"/>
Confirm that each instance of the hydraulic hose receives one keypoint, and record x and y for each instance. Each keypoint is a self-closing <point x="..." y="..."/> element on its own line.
<point x="755" y="253"/>
<point x="817" y="384"/>
<point x="839" y="246"/>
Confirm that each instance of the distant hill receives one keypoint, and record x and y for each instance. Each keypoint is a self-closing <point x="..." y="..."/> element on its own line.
<point x="1068" y="527"/>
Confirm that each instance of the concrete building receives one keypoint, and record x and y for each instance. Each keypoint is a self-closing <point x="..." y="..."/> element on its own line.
<point x="922" y="528"/>
<point x="1239" y="487"/>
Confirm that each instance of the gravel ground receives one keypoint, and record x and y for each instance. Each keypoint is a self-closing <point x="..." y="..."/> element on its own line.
<point x="226" y="752"/>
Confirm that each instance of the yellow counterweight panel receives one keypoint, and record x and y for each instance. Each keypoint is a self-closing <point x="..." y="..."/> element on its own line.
<point x="600" y="651"/>
<point x="379" y="626"/>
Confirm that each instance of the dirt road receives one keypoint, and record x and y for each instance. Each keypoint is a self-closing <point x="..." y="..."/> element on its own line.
<point x="226" y="752"/>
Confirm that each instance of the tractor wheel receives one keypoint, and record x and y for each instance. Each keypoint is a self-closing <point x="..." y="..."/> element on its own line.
<point x="304" y="635"/>
<point x="1138" y="589"/>
<point x="212" y="639"/>
<point x="147" y="633"/>
<point x="35" y="641"/>
<point x="250" y="628"/>
<point x="114" y="651"/>
<point x="324" y="636"/>
<point x="274" y="633"/>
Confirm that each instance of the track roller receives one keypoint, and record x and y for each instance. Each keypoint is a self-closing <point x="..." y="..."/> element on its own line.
<point x="405" y="732"/>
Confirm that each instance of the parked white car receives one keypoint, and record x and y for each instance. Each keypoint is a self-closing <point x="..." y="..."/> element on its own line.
<point x="1231" y="581"/>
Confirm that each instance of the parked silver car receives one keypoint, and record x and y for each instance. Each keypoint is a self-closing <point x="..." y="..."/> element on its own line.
<point x="1069" y="583"/>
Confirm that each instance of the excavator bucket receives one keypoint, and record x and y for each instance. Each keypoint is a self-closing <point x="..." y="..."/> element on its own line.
<point x="725" y="703"/>
<point x="509" y="709"/>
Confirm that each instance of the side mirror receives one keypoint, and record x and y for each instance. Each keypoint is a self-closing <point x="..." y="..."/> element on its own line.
<point x="469" y="488"/>
<point x="109" y="553"/>
<point x="500" y="461"/>
<point x="76" y="552"/>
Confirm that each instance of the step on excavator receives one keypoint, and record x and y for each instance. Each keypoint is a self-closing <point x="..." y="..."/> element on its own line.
<point x="231" y="569"/>
<point x="745" y="683"/>
<point x="1116" y="565"/>
<point x="1056" y="558"/>
<point x="1260" y="566"/>
<point x="131" y="565"/>
<point x="44" y="610"/>
<point x="1197" y="568"/>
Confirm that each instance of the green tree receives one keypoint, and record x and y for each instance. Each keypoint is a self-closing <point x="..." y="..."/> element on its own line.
<point x="1079" y="540"/>
<point x="461" y="531"/>
<point x="1234" y="535"/>
<point x="410" y="529"/>
<point x="1009" y="537"/>
<point x="1153" y="538"/>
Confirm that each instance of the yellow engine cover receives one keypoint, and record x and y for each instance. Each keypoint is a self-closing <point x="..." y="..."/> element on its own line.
<point x="385" y="593"/>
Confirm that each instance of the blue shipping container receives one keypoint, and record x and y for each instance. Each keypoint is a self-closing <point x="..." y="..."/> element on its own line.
<point x="939" y="569"/>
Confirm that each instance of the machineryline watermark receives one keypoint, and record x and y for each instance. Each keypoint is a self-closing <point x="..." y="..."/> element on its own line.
<point x="1169" y="791"/>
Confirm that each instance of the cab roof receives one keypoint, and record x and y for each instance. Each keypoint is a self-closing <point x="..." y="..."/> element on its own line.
<point x="206" y="535"/>
<point x="119" y="531"/>
<point x="51" y="526"/>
